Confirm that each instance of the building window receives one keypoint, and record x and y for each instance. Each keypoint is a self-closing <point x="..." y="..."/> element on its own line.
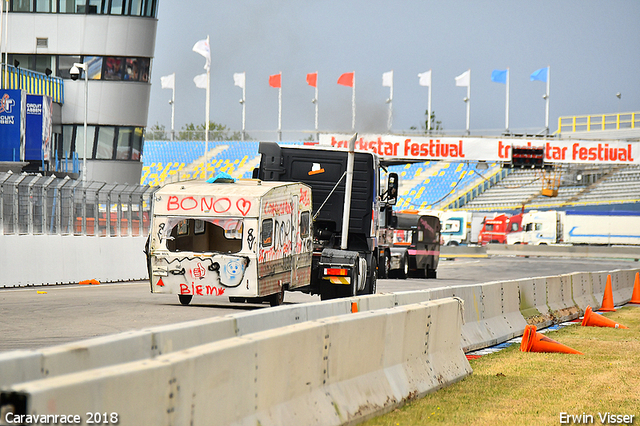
<point x="45" y="6"/>
<point x="145" y="8"/>
<point x="95" y="67"/>
<point x="136" y="143"/>
<point x="104" y="146"/>
<point x="123" y="150"/>
<point x="113" y="68"/>
<point x="79" y="140"/>
<point x="105" y="142"/>
<point x="21" y="6"/>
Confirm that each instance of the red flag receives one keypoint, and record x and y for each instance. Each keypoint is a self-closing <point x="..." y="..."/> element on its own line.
<point x="274" y="80"/>
<point x="312" y="79"/>
<point x="346" y="79"/>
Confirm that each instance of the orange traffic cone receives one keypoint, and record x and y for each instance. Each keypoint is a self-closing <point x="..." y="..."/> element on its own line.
<point x="591" y="319"/>
<point x="607" y="299"/>
<point x="635" y="297"/>
<point x="532" y="341"/>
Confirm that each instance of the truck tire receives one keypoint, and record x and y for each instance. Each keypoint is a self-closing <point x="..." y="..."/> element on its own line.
<point x="372" y="278"/>
<point x="185" y="299"/>
<point x="431" y="273"/>
<point x="384" y="266"/>
<point x="404" y="267"/>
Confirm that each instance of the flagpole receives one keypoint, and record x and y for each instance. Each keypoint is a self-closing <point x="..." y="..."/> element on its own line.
<point x="206" y="126"/>
<point x="280" y="112"/>
<point x="315" y="101"/>
<point x="173" y="108"/>
<point x="244" y="93"/>
<point x="353" y="103"/>
<point x="546" y="119"/>
<point x="468" y="100"/>
<point x="429" y="106"/>
<point x="506" y="119"/>
<point x="390" y="119"/>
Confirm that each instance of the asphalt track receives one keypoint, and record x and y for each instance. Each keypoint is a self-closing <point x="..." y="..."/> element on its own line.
<point x="42" y="316"/>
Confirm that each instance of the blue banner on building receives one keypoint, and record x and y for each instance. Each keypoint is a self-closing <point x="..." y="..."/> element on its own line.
<point x="38" y="128"/>
<point x="12" y="124"/>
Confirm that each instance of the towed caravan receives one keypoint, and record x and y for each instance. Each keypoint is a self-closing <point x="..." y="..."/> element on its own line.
<point x="245" y="239"/>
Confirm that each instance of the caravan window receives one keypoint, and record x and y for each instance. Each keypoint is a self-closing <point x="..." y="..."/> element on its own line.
<point x="267" y="232"/>
<point x="204" y="235"/>
<point x="304" y="224"/>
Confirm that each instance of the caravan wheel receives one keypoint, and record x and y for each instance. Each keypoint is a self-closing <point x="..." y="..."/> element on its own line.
<point x="185" y="299"/>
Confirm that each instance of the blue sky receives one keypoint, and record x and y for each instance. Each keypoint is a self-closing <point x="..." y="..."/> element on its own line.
<point x="591" y="46"/>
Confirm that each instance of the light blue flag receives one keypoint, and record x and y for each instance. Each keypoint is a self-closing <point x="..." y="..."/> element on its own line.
<point x="540" y="75"/>
<point x="499" y="76"/>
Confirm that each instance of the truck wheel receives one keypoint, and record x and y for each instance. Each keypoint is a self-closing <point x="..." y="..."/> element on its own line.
<point x="185" y="299"/>
<point x="431" y="273"/>
<point x="235" y="299"/>
<point x="385" y="266"/>
<point x="404" y="267"/>
<point x="372" y="279"/>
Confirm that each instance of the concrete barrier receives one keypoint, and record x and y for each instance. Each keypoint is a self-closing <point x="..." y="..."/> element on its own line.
<point x="533" y="301"/>
<point x="333" y="371"/>
<point x="582" y="290"/>
<point x="494" y="313"/>
<point x="559" y="298"/>
<point x="622" y="283"/>
<point x="107" y="259"/>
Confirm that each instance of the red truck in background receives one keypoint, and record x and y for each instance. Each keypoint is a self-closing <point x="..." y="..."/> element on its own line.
<point x="495" y="229"/>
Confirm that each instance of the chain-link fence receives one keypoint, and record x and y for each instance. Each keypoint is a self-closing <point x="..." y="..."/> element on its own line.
<point x="36" y="205"/>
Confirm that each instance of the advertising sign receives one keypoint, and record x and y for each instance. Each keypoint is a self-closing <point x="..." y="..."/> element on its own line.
<point x="12" y="124"/>
<point x="426" y="148"/>
<point x="38" y="128"/>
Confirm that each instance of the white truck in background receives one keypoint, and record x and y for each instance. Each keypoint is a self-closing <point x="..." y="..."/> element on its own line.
<point x="461" y="227"/>
<point x="580" y="227"/>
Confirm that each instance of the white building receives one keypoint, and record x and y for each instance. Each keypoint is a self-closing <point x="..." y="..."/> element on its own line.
<point x="116" y="38"/>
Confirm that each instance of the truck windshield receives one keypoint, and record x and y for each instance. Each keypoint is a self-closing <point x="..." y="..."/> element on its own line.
<point x="204" y="235"/>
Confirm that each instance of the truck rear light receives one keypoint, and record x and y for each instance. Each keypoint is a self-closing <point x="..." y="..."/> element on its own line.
<point x="336" y="271"/>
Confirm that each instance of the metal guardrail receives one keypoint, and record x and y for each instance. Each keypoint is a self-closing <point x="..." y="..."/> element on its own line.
<point x="32" y="204"/>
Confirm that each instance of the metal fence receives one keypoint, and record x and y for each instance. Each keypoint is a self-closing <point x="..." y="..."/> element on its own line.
<point x="32" y="204"/>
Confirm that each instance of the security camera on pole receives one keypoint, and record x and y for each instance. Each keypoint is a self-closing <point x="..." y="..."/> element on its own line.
<point x="74" y="72"/>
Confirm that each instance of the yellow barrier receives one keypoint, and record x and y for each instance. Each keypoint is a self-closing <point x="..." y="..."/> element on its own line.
<point x="588" y="123"/>
<point x="34" y="83"/>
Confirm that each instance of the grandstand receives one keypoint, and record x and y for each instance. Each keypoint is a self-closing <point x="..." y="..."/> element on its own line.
<point x="423" y="185"/>
<point x="167" y="161"/>
<point x="436" y="185"/>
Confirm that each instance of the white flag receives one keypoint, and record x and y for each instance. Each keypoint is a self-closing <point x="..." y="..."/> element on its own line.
<point x="168" y="81"/>
<point x="200" y="81"/>
<point x="239" y="79"/>
<point x="464" y="79"/>
<point x="425" y="78"/>
<point x="387" y="79"/>
<point x="202" y="47"/>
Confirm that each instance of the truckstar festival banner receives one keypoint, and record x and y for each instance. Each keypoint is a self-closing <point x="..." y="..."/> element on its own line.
<point x="490" y="149"/>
